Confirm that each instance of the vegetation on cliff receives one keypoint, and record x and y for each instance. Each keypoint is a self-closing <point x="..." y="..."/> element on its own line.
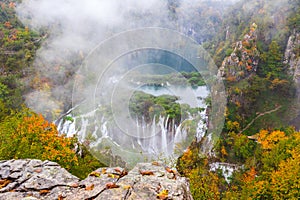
<point x="257" y="135"/>
<point x="23" y="133"/>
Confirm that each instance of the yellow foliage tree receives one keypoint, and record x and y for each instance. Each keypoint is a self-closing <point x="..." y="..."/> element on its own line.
<point x="27" y="135"/>
<point x="269" y="140"/>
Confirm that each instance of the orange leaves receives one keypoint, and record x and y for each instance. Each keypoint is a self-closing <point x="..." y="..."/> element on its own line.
<point x="246" y="44"/>
<point x="223" y="151"/>
<point x="231" y="78"/>
<point x="240" y="63"/>
<point x="278" y="83"/>
<point x="29" y="135"/>
<point x="163" y="194"/>
<point x="268" y="140"/>
<point x="4" y="183"/>
<point x="187" y="158"/>
<point x="250" y="175"/>
<point x="249" y="67"/>
<point x="43" y="192"/>
<point x="146" y="173"/>
<point x="111" y="185"/>
<point x="90" y="187"/>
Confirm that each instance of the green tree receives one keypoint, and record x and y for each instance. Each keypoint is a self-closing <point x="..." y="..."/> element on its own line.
<point x="272" y="62"/>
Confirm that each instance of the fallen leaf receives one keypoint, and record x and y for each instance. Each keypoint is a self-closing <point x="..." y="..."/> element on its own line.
<point x="118" y="170"/>
<point x="38" y="170"/>
<point x="124" y="173"/>
<point x="163" y="195"/>
<point x="4" y="183"/>
<point x="148" y="173"/>
<point x="126" y="187"/>
<point x="103" y="170"/>
<point x="74" y="185"/>
<point x="168" y="169"/>
<point x="96" y="174"/>
<point x="111" y="185"/>
<point x="113" y="176"/>
<point x="44" y="191"/>
<point x="155" y="163"/>
<point x="90" y="187"/>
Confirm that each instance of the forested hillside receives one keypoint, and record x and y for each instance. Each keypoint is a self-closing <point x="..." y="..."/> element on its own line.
<point x="256" y="46"/>
<point x="258" y="136"/>
<point x="23" y="133"/>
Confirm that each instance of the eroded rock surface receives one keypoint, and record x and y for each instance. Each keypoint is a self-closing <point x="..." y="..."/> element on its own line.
<point x="243" y="61"/>
<point x="36" y="179"/>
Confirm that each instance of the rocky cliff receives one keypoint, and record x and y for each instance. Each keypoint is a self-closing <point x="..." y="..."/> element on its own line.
<point x="292" y="60"/>
<point x="36" y="179"/>
<point x="243" y="60"/>
<point x="292" y="57"/>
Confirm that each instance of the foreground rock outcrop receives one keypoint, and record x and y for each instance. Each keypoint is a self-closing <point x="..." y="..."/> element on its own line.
<point x="36" y="179"/>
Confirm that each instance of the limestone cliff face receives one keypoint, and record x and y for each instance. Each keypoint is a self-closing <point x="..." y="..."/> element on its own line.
<point x="292" y="58"/>
<point x="243" y="60"/>
<point x="36" y="179"/>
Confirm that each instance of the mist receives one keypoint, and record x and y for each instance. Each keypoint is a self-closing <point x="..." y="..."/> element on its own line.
<point x="72" y="28"/>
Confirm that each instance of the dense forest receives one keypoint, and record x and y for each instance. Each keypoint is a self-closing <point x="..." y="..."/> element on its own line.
<point x="260" y="137"/>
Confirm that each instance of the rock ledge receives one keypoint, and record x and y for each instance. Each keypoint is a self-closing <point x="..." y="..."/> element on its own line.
<point x="35" y="179"/>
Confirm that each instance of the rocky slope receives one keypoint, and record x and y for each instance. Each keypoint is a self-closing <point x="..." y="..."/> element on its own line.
<point x="243" y="60"/>
<point x="36" y="179"/>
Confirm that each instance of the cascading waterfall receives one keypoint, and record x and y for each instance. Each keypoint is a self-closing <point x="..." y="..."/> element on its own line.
<point x="162" y="136"/>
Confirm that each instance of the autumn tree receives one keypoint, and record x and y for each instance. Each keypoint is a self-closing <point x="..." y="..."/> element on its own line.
<point x="205" y="184"/>
<point x="276" y="172"/>
<point x="25" y="134"/>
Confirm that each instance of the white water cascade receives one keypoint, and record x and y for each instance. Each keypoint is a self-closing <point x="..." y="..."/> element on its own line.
<point x="162" y="137"/>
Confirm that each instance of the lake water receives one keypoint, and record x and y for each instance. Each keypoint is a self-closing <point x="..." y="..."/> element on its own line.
<point x="188" y="95"/>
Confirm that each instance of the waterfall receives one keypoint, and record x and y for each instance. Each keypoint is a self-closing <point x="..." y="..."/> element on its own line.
<point x="202" y="126"/>
<point x="226" y="168"/>
<point x="67" y="127"/>
<point x="162" y="136"/>
<point x="164" y="129"/>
